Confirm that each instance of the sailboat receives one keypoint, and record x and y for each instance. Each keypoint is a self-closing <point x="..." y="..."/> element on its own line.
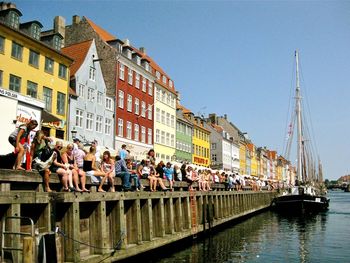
<point x="306" y="195"/>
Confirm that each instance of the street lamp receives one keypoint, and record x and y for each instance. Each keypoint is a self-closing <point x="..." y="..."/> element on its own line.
<point x="74" y="133"/>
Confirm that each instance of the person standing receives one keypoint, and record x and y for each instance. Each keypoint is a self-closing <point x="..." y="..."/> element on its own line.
<point x="19" y="138"/>
<point x="123" y="153"/>
<point x="169" y="174"/>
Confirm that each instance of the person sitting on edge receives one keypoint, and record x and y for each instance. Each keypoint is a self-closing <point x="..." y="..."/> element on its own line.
<point x="169" y="174"/>
<point x="107" y="166"/>
<point x="60" y="168"/>
<point x="122" y="171"/>
<point x="91" y="170"/>
<point x="16" y="140"/>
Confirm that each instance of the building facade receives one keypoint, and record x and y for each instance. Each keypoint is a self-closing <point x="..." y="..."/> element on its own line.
<point x="184" y="131"/>
<point x="32" y="66"/>
<point x="91" y="112"/>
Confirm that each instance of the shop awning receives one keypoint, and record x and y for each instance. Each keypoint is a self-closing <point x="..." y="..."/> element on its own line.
<point x="48" y="117"/>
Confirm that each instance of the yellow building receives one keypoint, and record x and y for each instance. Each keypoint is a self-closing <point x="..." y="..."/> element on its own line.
<point x="32" y="66"/>
<point x="253" y="160"/>
<point x="200" y="141"/>
<point x="242" y="157"/>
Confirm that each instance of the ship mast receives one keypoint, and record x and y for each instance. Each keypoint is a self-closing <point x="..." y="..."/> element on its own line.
<point x="298" y="114"/>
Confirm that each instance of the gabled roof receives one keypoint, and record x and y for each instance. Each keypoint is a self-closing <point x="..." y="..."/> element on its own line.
<point x="78" y="52"/>
<point x="100" y="31"/>
<point x="217" y="127"/>
<point x="184" y="110"/>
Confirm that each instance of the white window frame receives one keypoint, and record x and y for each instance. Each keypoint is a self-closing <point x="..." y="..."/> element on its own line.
<point x="121" y="99"/>
<point x="158" y="93"/>
<point x="143" y="109"/>
<point x="92" y="74"/>
<point x="136" y="132"/>
<point x="89" y="121"/>
<point x="121" y="71"/>
<point x="157" y="114"/>
<point x="143" y="84"/>
<point x="120" y="127"/>
<point x="149" y="137"/>
<point x="129" y="103"/>
<point x="168" y="119"/>
<point x="81" y="90"/>
<point x="108" y="126"/>
<point x="99" y="121"/>
<point x="150" y="88"/>
<point x="90" y="95"/>
<point x="163" y="117"/>
<point x="137" y="81"/>
<point x="99" y="97"/>
<point x="128" y="130"/>
<point x="150" y="112"/>
<point x="109" y="104"/>
<point x="130" y="76"/>
<point x="157" y="136"/>
<point x="79" y="117"/>
<point x="143" y="134"/>
<point x="172" y="121"/>
<point x="137" y="106"/>
<point x="162" y="137"/>
<point x="167" y="139"/>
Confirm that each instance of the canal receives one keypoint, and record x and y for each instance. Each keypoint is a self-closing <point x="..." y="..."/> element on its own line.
<point x="269" y="237"/>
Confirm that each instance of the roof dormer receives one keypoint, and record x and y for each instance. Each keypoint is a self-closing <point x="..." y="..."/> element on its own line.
<point x="32" y="28"/>
<point x="136" y="58"/>
<point x="10" y="14"/>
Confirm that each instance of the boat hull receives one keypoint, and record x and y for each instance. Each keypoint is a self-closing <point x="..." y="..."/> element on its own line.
<point x="300" y="203"/>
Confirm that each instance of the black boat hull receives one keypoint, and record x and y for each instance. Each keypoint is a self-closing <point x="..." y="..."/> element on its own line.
<point x="300" y="203"/>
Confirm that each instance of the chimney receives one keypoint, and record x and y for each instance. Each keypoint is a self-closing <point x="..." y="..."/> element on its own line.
<point x="5" y="6"/>
<point x="212" y="117"/>
<point x="76" y="19"/>
<point x="143" y="50"/>
<point x="59" y="25"/>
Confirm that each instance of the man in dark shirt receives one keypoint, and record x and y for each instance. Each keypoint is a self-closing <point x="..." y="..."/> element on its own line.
<point x="122" y="171"/>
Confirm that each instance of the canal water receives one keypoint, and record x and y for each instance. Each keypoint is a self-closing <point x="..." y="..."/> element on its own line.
<point x="269" y="237"/>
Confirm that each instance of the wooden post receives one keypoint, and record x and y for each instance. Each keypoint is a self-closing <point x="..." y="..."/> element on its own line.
<point x="71" y="224"/>
<point x="27" y="250"/>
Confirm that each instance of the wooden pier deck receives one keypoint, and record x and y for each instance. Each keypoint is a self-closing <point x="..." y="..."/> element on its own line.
<point x="112" y="226"/>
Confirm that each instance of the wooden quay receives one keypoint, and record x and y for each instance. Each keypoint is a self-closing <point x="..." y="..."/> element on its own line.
<point x="96" y="227"/>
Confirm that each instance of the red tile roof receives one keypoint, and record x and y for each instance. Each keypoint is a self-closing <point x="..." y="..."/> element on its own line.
<point x="184" y="110"/>
<point x="78" y="52"/>
<point x="217" y="127"/>
<point x="100" y="31"/>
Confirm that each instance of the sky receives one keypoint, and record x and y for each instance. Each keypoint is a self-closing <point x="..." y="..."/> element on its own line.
<point x="237" y="58"/>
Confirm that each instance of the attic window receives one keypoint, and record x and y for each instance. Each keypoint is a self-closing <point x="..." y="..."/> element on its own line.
<point x="14" y="19"/>
<point x="36" y="31"/>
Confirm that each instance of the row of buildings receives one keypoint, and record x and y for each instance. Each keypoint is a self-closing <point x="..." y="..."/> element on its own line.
<point x="82" y="81"/>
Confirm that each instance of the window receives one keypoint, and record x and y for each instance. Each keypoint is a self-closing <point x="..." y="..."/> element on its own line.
<point x="32" y="89"/>
<point x="33" y="58"/>
<point x="47" y="92"/>
<point x="129" y="103"/>
<point x="92" y="73"/>
<point x="15" y="83"/>
<point x="143" y="134"/>
<point x="121" y="71"/>
<point x="150" y="88"/>
<point x="128" y="129"/>
<point x="1" y="73"/>
<point x="120" y="127"/>
<point x="2" y="44"/>
<point x="14" y="19"/>
<point x="109" y="104"/>
<point x="137" y="106"/>
<point x="61" y="103"/>
<point x="36" y="31"/>
<point x="167" y="138"/>
<point x="99" y="97"/>
<point x="168" y="98"/>
<point x="163" y="117"/>
<point x="137" y="83"/>
<point x="172" y="141"/>
<point x="213" y="158"/>
<point x="89" y="120"/>
<point x="150" y="112"/>
<point x="136" y="132"/>
<point x="57" y="42"/>
<point x="108" y="126"/>
<point x="163" y="96"/>
<point x="149" y="139"/>
<point x="143" y="84"/>
<point x="81" y="89"/>
<point x="143" y="109"/>
<point x="158" y="75"/>
<point x="172" y="121"/>
<point x="130" y="75"/>
<point x="121" y="99"/>
<point x="90" y="95"/>
<point x="173" y="102"/>
<point x="79" y="118"/>
<point x="157" y="136"/>
<point x="164" y="79"/>
<point x="157" y="114"/>
<point x="17" y="51"/>
<point x="167" y="119"/>
<point x="162" y="137"/>
<point x="62" y="71"/>
<point x="157" y="94"/>
<point x="99" y="120"/>
<point x="48" y="65"/>
<point x="170" y="83"/>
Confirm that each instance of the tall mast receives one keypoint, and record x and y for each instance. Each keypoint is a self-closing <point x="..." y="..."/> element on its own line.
<point x="298" y="113"/>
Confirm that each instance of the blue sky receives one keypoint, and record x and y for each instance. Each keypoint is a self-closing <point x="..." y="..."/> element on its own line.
<point x="236" y="58"/>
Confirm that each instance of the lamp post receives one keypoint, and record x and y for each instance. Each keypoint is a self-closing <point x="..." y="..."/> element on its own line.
<point x="74" y="133"/>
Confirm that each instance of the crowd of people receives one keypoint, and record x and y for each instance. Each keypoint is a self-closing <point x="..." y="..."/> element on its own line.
<point x="74" y="163"/>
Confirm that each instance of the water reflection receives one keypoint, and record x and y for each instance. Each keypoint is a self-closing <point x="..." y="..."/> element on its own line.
<point x="270" y="237"/>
